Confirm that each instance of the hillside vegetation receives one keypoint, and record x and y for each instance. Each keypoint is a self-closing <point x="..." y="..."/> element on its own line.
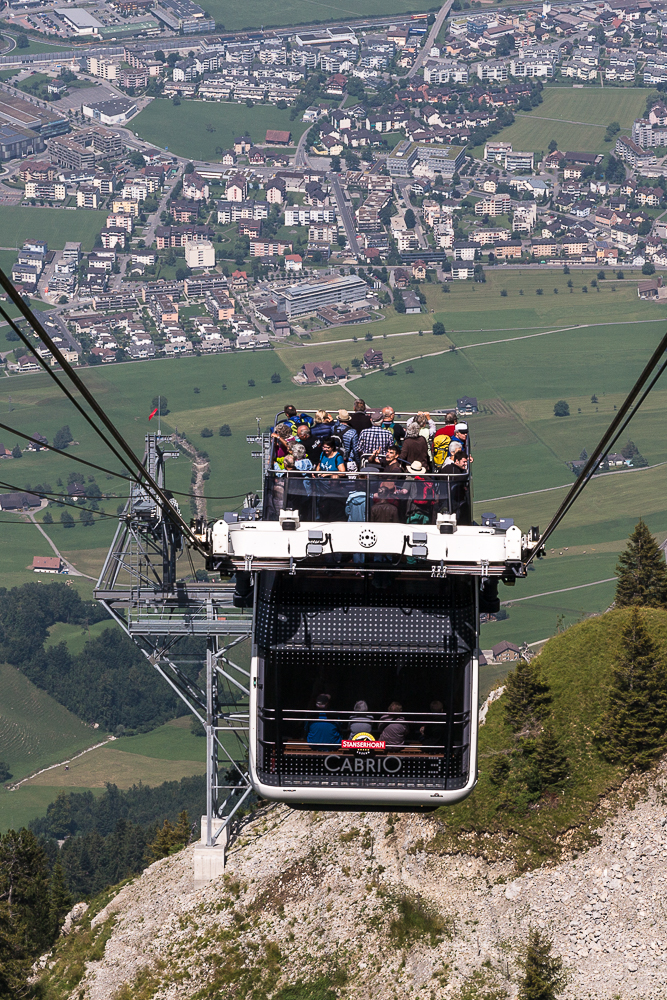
<point x="35" y="730"/>
<point x="577" y="665"/>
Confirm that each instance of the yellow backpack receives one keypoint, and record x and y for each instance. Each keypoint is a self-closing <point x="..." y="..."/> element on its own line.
<point x="440" y="449"/>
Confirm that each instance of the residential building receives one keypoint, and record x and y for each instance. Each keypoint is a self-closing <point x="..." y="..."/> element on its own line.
<point x="200" y="253"/>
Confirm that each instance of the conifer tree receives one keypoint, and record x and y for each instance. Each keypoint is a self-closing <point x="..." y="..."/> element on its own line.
<point x="527" y="697"/>
<point x="634" y="725"/>
<point x="550" y="759"/>
<point x="163" y="843"/>
<point x="641" y="572"/>
<point x="60" y="901"/>
<point x="543" y="975"/>
<point x="181" y="835"/>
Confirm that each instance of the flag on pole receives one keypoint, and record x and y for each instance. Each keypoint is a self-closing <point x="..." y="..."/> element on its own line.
<point x="151" y="415"/>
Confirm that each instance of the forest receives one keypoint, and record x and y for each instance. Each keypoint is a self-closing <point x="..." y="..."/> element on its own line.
<point x="110" y="682"/>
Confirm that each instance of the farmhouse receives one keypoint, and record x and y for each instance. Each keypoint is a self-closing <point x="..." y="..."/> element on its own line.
<point x="46" y="564"/>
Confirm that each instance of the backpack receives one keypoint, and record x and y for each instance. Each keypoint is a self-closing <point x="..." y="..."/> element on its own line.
<point x="424" y="491"/>
<point x="440" y="449"/>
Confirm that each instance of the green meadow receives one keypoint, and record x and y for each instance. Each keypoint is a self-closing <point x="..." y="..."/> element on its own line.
<point x="55" y="225"/>
<point x="576" y="119"/>
<point x="261" y="13"/>
<point x="200" y="128"/>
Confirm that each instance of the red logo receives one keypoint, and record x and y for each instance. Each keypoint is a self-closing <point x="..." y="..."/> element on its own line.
<point x="363" y="744"/>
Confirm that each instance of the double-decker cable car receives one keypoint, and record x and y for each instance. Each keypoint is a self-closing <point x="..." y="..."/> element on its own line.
<point x="365" y="662"/>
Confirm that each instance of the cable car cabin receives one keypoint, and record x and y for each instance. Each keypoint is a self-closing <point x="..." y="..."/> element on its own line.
<point x="367" y="590"/>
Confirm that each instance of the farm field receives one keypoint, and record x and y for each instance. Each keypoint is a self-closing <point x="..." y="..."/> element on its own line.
<point x="261" y="12"/>
<point x="576" y="119"/>
<point x="519" y="445"/>
<point x="75" y="637"/>
<point x="35" y="731"/>
<point x="183" y="128"/>
<point x="55" y="225"/>
<point x="471" y="309"/>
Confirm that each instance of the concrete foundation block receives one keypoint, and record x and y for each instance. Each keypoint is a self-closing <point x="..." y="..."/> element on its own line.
<point x="209" y="862"/>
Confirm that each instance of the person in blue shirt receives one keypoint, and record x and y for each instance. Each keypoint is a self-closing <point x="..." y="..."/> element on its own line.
<point x="322" y="733"/>
<point x="331" y="460"/>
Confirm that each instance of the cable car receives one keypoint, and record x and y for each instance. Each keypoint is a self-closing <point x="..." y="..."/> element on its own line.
<point x="367" y="589"/>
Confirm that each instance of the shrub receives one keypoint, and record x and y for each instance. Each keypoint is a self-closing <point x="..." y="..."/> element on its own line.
<point x="206" y="432"/>
<point x="438" y="329"/>
<point x="275" y="378"/>
<point x="225" y="431"/>
<point x="562" y="408"/>
<point x="416" y="921"/>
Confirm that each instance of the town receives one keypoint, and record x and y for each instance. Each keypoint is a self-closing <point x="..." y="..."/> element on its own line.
<point x="396" y="177"/>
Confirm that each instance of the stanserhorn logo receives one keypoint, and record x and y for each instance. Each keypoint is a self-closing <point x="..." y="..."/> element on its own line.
<point x="363" y="744"/>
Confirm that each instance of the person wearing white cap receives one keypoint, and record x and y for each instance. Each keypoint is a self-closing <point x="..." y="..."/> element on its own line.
<point x="461" y="435"/>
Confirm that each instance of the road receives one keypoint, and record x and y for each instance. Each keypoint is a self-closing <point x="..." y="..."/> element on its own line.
<point x="430" y="41"/>
<point x="419" y="232"/>
<point x="71" y="569"/>
<point x="154" y="218"/>
<point x="344" y="213"/>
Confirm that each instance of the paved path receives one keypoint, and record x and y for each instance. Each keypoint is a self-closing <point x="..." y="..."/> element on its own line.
<point x="12" y="788"/>
<point x="564" y="590"/>
<point x="565" y="121"/>
<point x="73" y="571"/>
<point x="430" y="41"/>
<point x="566" y="486"/>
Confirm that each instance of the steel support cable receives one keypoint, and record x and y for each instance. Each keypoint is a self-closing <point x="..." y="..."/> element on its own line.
<point x="150" y="485"/>
<point x="51" y="373"/>
<point x="601" y="456"/>
<point x="101" y="468"/>
<point x="612" y="433"/>
<point x="64" y="503"/>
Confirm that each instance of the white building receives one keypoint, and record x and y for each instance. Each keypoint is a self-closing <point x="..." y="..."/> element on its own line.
<point x="200" y="253"/>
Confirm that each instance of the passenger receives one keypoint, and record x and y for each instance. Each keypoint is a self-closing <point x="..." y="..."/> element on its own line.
<point x="361" y="721"/>
<point x="313" y="447"/>
<point x="349" y="437"/>
<point x="393" y="727"/>
<point x="375" y="441"/>
<point x="433" y="733"/>
<point x="460" y="490"/>
<point x="454" y="448"/>
<point x="280" y="466"/>
<point x="322" y="426"/>
<point x="302" y="489"/>
<point x="294" y="419"/>
<point x="449" y="425"/>
<point x="281" y="436"/>
<point x="461" y="435"/>
<point x="359" y="420"/>
<point x="392" y="462"/>
<point x="385" y="506"/>
<point x="301" y="461"/>
<point x="415" y="447"/>
<point x="423" y="496"/>
<point x="331" y="460"/>
<point x="388" y="423"/>
<point x="322" y="733"/>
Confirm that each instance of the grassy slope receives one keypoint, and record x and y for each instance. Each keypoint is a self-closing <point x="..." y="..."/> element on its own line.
<point x="577" y="665"/>
<point x="563" y="107"/>
<point x="182" y="128"/>
<point x="55" y="225"/>
<point x="18" y="808"/>
<point x="35" y="730"/>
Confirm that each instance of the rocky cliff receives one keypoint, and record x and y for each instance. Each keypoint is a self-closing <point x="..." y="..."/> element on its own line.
<point x="314" y="906"/>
